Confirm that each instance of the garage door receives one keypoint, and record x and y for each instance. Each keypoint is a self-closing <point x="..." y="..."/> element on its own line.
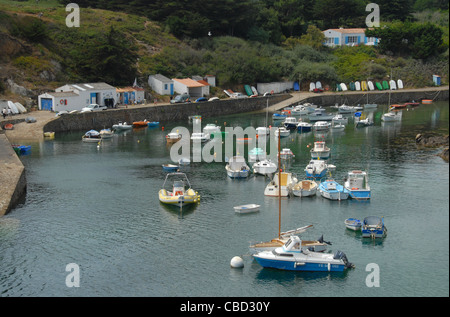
<point x="46" y="104"/>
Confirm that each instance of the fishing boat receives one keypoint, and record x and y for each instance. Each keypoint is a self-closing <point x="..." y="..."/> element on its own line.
<point x="286" y="154"/>
<point x="92" y="136"/>
<point x="321" y="126"/>
<point x="316" y="169"/>
<point x="305" y="188"/>
<point x="293" y="257"/>
<point x="276" y="187"/>
<point x="237" y="167"/>
<point x="244" y="209"/>
<point x="256" y="154"/>
<point x="106" y="134"/>
<point x="170" y="167"/>
<point x="318" y="245"/>
<point x="173" y="137"/>
<point x="180" y="195"/>
<point x="353" y="224"/>
<point x="373" y="227"/>
<point x="319" y="114"/>
<point x="290" y="123"/>
<point x="304" y="127"/>
<point x="200" y="137"/>
<point x="282" y="131"/>
<point x="332" y="190"/>
<point x="357" y="183"/>
<point x="122" y="126"/>
<point x="264" y="167"/>
<point x="320" y="151"/>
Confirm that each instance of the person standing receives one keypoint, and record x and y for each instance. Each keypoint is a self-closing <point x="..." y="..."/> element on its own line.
<point x="4" y="112"/>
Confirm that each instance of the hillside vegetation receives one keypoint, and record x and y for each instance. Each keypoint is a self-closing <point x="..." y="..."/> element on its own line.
<point x="135" y="39"/>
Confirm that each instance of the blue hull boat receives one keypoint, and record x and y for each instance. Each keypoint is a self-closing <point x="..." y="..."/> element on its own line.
<point x="357" y="184"/>
<point x="373" y="227"/>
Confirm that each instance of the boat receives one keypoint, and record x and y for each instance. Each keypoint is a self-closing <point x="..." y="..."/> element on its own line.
<point x="248" y="90"/>
<point x="400" y="84"/>
<point x="332" y="190"/>
<point x="398" y="106"/>
<point x="92" y="136"/>
<point x="319" y="114"/>
<point x="173" y="137"/>
<point x="320" y="151"/>
<point x="346" y="109"/>
<point x="256" y="154"/>
<point x="343" y="87"/>
<point x="237" y="167"/>
<point x="122" y="126"/>
<point x="290" y="123"/>
<point x="282" y="131"/>
<point x="316" y="169"/>
<point x="339" y="118"/>
<point x="200" y="136"/>
<point x="378" y="86"/>
<point x="391" y="116"/>
<point x="292" y="256"/>
<point x="286" y="154"/>
<point x="140" y="124"/>
<point x="364" y="123"/>
<point x="299" y="110"/>
<point x="106" y="134"/>
<point x="276" y="188"/>
<point x="262" y="131"/>
<point x="305" y="188"/>
<point x="179" y="195"/>
<point x="8" y="126"/>
<point x="392" y="84"/>
<point x="243" y="209"/>
<point x="353" y="224"/>
<point x="370" y="105"/>
<point x="364" y="85"/>
<point x="337" y="127"/>
<point x="278" y="116"/>
<point x="211" y="128"/>
<point x="310" y="107"/>
<point x="170" y="167"/>
<point x="49" y="134"/>
<point x="352" y="86"/>
<point x="385" y="85"/>
<point x="312" y="86"/>
<point x="264" y="167"/>
<point x="427" y="101"/>
<point x="373" y="227"/>
<point x="357" y="183"/>
<point x="321" y="126"/>
<point x="412" y="104"/>
<point x="153" y="124"/>
<point x="304" y="127"/>
<point x="370" y="85"/>
<point x="357" y="85"/>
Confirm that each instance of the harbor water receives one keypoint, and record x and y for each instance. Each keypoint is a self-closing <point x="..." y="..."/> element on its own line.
<point x="97" y="209"/>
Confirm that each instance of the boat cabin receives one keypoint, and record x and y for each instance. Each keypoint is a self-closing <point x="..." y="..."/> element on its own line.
<point x="294" y="244"/>
<point x="357" y="180"/>
<point x="178" y="188"/>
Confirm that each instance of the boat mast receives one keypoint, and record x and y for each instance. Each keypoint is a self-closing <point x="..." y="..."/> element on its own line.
<point x="279" y="184"/>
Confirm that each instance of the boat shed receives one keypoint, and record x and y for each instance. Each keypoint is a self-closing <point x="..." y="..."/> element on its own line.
<point x="77" y="96"/>
<point x="161" y="84"/>
<point x="131" y="95"/>
<point x="191" y="87"/>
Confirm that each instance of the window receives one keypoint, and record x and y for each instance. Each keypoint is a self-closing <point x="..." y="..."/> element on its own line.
<point x="165" y="86"/>
<point x="352" y="39"/>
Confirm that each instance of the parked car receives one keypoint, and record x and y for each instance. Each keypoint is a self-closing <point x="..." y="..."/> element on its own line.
<point x="181" y="98"/>
<point x="93" y="107"/>
<point x="238" y="95"/>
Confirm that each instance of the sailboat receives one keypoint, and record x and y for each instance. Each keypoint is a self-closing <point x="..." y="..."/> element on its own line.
<point x="283" y="237"/>
<point x="265" y="166"/>
<point x="391" y="115"/>
<point x="368" y="105"/>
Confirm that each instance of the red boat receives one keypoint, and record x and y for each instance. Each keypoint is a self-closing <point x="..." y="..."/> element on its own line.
<point x="8" y="126"/>
<point x="412" y="104"/>
<point x="398" y="106"/>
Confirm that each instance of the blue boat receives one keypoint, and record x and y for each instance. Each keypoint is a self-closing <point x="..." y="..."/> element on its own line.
<point x="353" y="224"/>
<point x="170" y="167"/>
<point x="278" y="116"/>
<point x="332" y="190"/>
<point x="153" y="124"/>
<point x="293" y="257"/>
<point x="373" y="227"/>
<point x="357" y="184"/>
<point x="304" y="127"/>
<point x="316" y="169"/>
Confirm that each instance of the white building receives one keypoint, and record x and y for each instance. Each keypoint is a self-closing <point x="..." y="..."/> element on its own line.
<point x="130" y="95"/>
<point x="77" y="96"/>
<point x="350" y="37"/>
<point x="192" y="87"/>
<point x="274" y="87"/>
<point x="161" y="84"/>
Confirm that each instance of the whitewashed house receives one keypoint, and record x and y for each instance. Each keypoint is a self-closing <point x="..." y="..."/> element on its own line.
<point x="77" y="96"/>
<point x="192" y="87"/>
<point x="130" y="95"/>
<point x="161" y="84"/>
<point x="350" y="37"/>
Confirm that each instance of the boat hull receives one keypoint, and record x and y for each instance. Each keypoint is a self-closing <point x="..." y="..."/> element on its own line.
<point x="190" y="197"/>
<point x="296" y="264"/>
<point x="359" y="194"/>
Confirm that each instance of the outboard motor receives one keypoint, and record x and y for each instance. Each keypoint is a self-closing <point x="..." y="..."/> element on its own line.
<point x="341" y="256"/>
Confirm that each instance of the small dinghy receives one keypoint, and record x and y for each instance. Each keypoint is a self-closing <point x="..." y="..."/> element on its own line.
<point x="247" y="208"/>
<point x="170" y="167"/>
<point x="353" y="224"/>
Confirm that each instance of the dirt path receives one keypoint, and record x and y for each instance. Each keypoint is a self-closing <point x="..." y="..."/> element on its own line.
<point x="29" y="131"/>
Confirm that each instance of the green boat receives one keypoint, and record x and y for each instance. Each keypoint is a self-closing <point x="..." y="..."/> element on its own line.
<point x="248" y="90"/>
<point x="352" y="86"/>
<point x="378" y="85"/>
<point x="338" y="87"/>
<point x="385" y="85"/>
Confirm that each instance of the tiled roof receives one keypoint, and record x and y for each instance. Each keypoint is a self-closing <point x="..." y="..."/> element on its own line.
<point x="355" y="30"/>
<point x="188" y="82"/>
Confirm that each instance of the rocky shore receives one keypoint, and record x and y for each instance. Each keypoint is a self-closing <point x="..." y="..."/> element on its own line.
<point x="434" y="141"/>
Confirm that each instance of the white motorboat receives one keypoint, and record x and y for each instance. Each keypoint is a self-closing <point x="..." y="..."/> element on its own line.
<point x="282" y="131"/>
<point x="319" y="114"/>
<point x="243" y="209"/>
<point x="339" y="118"/>
<point x="310" y="107"/>
<point x="299" y="110"/>
<point x="392" y="116"/>
<point x="237" y="167"/>
<point x="322" y="126"/>
<point x="173" y="137"/>
<point x="316" y="169"/>
<point x="337" y="127"/>
<point x="357" y="183"/>
<point x="364" y="123"/>
<point x="320" y="151"/>
<point x="292" y="256"/>
<point x="184" y="161"/>
<point x="122" y="126"/>
<point x="286" y="154"/>
<point x="332" y="190"/>
<point x="346" y="109"/>
<point x="304" y="127"/>
<point x="262" y="131"/>
<point x="200" y="136"/>
<point x="290" y="123"/>
<point x="305" y="188"/>
<point x="287" y="181"/>
<point x="264" y="167"/>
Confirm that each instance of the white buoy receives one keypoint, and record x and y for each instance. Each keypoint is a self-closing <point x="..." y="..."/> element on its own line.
<point x="237" y="262"/>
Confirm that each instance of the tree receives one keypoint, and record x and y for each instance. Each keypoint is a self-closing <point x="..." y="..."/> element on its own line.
<point x="313" y="37"/>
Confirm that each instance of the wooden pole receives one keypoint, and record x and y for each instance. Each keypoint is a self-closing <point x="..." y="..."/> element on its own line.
<point x="279" y="185"/>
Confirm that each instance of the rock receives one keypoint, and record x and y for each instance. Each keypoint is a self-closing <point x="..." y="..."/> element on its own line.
<point x="17" y="89"/>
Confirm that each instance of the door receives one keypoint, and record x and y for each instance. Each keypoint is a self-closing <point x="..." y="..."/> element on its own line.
<point x="171" y="89"/>
<point x="46" y="104"/>
<point x="93" y="97"/>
